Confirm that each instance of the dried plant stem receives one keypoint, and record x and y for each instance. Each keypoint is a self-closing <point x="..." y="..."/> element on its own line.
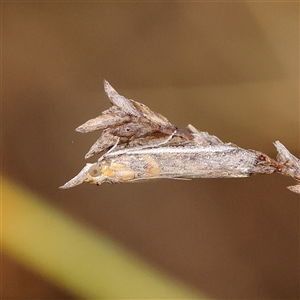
<point x="139" y="144"/>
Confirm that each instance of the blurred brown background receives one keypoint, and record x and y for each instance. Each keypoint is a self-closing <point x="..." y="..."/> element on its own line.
<point x="229" y="68"/>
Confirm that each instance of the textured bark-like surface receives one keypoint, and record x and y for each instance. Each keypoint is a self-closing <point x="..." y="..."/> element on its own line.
<point x="144" y="145"/>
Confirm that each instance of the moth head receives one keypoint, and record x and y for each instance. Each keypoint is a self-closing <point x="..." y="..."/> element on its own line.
<point x="87" y="174"/>
<point x="95" y="171"/>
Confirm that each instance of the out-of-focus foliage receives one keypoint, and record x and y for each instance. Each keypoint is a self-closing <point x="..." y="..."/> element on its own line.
<point x="87" y="264"/>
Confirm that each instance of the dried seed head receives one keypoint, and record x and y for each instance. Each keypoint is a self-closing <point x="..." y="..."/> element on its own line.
<point x="142" y="144"/>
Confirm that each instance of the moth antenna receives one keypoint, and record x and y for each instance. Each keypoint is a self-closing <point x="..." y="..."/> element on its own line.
<point x="111" y="149"/>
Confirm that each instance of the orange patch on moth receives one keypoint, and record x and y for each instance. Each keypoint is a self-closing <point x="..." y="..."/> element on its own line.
<point x="106" y="171"/>
<point x="153" y="169"/>
<point x="118" y="171"/>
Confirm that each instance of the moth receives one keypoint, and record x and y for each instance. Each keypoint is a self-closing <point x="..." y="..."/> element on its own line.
<point x="139" y="144"/>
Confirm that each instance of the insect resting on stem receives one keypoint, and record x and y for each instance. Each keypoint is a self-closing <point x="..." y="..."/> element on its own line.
<point x="140" y="144"/>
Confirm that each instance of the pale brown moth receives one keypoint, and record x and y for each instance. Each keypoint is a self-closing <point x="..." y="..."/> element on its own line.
<point x="139" y="144"/>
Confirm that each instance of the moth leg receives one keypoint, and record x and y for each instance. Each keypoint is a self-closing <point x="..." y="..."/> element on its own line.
<point x="166" y="141"/>
<point x="110" y="150"/>
<point x="152" y="145"/>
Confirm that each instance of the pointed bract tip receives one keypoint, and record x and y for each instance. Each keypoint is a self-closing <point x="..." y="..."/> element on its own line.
<point x="107" y="86"/>
<point x="295" y="188"/>
<point x="80" y="129"/>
